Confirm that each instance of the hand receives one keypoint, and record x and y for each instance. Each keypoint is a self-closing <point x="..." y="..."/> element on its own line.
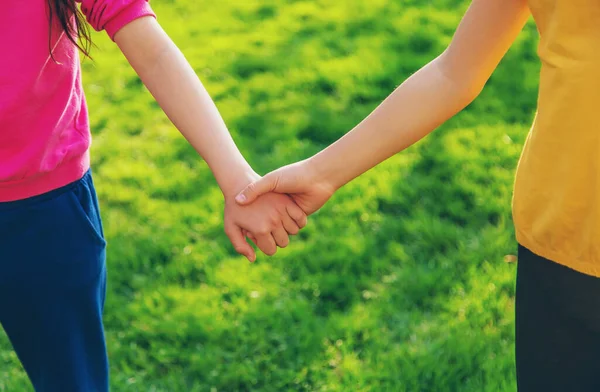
<point x="299" y="180"/>
<point x="267" y="222"/>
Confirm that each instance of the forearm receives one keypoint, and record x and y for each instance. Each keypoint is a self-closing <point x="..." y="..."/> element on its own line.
<point x="421" y="104"/>
<point x="431" y="96"/>
<point x="171" y="80"/>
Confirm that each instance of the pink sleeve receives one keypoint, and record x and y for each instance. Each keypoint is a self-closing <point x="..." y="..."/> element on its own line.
<point x="112" y="15"/>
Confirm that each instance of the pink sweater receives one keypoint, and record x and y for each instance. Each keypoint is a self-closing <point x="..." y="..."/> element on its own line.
<point x="44" y="127"/>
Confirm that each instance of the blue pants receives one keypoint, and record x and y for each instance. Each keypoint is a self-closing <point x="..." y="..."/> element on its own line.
<point x="52" y="287"/>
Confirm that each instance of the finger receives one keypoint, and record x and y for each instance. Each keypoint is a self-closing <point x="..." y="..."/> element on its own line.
<point x="249" y="235"/>
<point x="297" y="214"/>
<point x="266" y="243"/>
<point x="290" y="225"/>
<point x="281" y="237"/>
<point x="239" y="242"/>
<point x="252" y="238"/>
<point x="254" y="190"/>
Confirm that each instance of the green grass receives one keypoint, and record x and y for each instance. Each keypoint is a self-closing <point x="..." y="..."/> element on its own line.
<point x="398" y="284"/>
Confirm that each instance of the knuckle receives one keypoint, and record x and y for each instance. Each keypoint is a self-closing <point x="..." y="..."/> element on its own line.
<point x="264" y="230"/>
<point x="251" y="187"/>
<point x="294" y="213"/>
<point x="297" y="215"/>
<point x="282" y="207"/>
<point x="274" y="221"/>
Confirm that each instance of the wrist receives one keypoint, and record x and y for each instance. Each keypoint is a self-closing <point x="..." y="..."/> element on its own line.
<point x="322" y="171"/>
<point x="235" y="181"/>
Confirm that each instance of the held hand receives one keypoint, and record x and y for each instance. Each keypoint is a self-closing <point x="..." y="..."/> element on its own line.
<point x="299" y="180"/>
<point x="268" y="222"/>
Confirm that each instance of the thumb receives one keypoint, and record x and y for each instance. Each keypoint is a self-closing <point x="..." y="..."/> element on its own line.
<point x="236" y="236"/>
<point x="264" y="185"/>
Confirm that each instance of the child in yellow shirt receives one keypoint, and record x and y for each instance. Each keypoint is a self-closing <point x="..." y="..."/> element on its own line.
<point x="556" y="204"/>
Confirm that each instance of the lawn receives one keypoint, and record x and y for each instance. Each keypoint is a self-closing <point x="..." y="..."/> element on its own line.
<point x="399" y="284"/>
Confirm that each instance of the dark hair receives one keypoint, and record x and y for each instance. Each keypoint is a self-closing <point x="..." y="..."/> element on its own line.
<point x="78" y="32"/>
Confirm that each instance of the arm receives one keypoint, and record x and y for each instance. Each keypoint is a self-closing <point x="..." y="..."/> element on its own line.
<point x="423" y="102"/>
<point x="431" y="96"/>
<point x="173" y="83"/>
<point x="171" y="80"/>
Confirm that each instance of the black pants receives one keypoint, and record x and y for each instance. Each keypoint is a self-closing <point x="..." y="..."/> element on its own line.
<point x="557" y="327"/>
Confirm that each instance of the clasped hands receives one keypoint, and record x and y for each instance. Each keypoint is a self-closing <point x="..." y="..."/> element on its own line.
<point x="270" y="209"/>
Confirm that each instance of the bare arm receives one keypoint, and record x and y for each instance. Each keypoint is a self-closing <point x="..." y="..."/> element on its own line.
<point x="424" y="101"/>
<point x="171" y="80"/>
<point x="432" y="95"/>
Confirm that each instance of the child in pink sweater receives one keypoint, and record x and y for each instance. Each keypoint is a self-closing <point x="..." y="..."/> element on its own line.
<point x="52" y="247"/>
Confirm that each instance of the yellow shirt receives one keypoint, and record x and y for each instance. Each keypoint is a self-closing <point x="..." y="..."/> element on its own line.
<point x="556" y="202"/>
